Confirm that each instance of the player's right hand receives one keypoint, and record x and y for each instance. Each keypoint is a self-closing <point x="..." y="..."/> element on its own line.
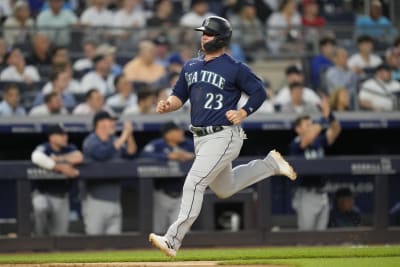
<point x="67" y="169"/>
<point x="163" y="106"/>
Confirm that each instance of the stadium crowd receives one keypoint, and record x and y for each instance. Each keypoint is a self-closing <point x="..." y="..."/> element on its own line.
<point x="79" y="57"/>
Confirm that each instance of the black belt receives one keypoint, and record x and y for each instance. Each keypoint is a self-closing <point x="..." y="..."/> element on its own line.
<point x="202" y="131"/>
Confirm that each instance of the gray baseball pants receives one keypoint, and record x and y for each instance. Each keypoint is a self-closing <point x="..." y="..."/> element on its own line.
<point x="213" y="167"/>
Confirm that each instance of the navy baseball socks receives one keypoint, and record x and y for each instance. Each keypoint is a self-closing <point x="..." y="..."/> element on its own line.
<point x="162" y="244"/>
<point x="284" y="167"/>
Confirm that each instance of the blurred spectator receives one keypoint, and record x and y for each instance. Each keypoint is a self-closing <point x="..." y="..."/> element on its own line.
<point x="167" y="195"/>
<point x="375" y="25"/>
<point x="124" y="97"/>
<point x="101" y="206"/>
<point x="392" y="58"/>
<point x="40" y="54"/>
<point x="145" y="103"/>
<point x="175" y="63"/>
<point x="343" y="212"/>
<point x="52" y="105"/>
<point x="94" y="102"/>
<point x="144" y="68"/>
<point x="311" y="16"/>
<point x="162" y="45"/>
<point x="248" y="29"/>
<point x="89" y="50"/>
<point x="295" y="75"/>
<point x="59" y="81"/>
<point x="60" y="55"/>
<point x="380" y="93"/>
<point x="198" y="13"/>
<point x="164" y="15"/>
<point x="283" y="31"/>
<point x="109" y="52"/>
<point x="17" y="70"/>
<point x="365" y="57"/>
<point x="130" y="15"/>
<point x="100" y="78"/>
<point x="19" y="26"/>
<point x="340" y="76"/>
<point x="310" y="200"/>
<point x="3" y="51"/>
<point x="298" y="103"/>
<point x="320" y="63"/>
<point x="73" y="87"/>
<point x="5" y="9"/>
<point x="97" y="15"/>
<point x="56" y="21"/>
<point x="340" y="100"/>
<point x="10" y="104"/>
<point x="50" y="199"/>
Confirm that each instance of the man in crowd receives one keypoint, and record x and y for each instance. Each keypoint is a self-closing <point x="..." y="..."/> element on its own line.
<point x="323" y="61"/>
<point x="17" y="70"/>
<point x="124" y="96"/>
<point x="102" y="213"/>
<point x="94" y="102"/>
<point x="52" y="105"/>
<point x="100" y="78"/>
<point x="167" y="195"/>
<point x="298" y="103"/>
<point x="10" y="104"/>
<point x="50" y="197"/>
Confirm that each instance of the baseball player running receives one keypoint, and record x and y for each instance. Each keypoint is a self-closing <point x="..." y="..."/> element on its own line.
<point x="213" y="83"/>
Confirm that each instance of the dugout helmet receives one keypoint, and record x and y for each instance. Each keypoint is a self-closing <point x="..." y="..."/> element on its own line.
<point x="220" y="28"/>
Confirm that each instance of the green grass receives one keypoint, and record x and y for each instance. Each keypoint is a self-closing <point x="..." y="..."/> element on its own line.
<point x="387" y="256"/>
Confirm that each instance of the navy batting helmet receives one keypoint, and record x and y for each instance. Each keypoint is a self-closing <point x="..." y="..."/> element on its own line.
<point x="218" y="27"/>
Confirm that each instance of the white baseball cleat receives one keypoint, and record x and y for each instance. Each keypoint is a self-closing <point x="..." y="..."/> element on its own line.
<point x="162" y="244"/>
<point x="284" y="166"/>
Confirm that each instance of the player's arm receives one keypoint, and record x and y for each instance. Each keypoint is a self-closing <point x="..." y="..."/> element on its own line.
<point x="39" y="158"/>
<point x="172" y="103"/>
<point x="74" y="158"/>
<point x="334" y="128"/>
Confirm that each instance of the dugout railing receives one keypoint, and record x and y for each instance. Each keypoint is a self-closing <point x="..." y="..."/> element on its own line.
<point x="381" y="167"/>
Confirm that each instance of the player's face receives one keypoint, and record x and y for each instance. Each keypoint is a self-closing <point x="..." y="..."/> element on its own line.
<point x="303" y="126"/>
<point x="205" y="38"/>
<point x="59" y="140"/>
<point x="175" y="136"/>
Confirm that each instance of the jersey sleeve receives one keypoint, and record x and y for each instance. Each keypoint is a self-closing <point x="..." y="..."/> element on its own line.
<point x="180" y="89"/>
<point x="154" y="150"/>
<point x="321" y="140"/>
<point x="249" y="83"/>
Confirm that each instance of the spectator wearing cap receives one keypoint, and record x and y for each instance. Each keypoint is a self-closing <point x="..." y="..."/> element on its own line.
<point x="198" y="13"/>
<point x="86" y="63"/>
<point x="145" y="103"/>
<point x="344" y="213"/>
<point x="282" y="28"/>
<point x="320" y="63"/>
<point x="380" y="93"/>
<point x="56" y="22"/>
<point x="10" y="105"/>
<point x="339" y="76"/>
<point x="19" y="26"/>
<point x="101" y="206"/>
<point x="40" y="54"/>
<point x="50" y="199"/>
<point x="375" y="24"/>
<point x="311" y="16"/>
<point x="365" y="58"/>
<point x="100" y="78"/>
<point x="175" y="63"/>
<point x="17" y="70"/>
<point x="52" y="105"/>
<point x="295" y="75"/>
<point x="94" y="102"/>
<point x="162" y="46"/>
<point x="59" y="81"/>
<point x="248" y="29"/>
<point x="144" y="68"/>
<point x="298" y="103"/>
<point x="164" y="15"/>
<point x="97" y="15"/>
<point x="173" y="145"/>
<point x="125" y="97"/>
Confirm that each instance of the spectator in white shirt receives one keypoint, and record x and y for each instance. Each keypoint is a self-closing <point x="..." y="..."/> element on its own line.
<point x="380" y="93"/>
<point x="53" y="105"/>
<point x="100" y="78"/>
<point x="94" y="102"/>
<point x="282" y="28"/>
<point x="97" y="15"/>
<point x="294" y="74"/>
<point x="89" y="50"/>
<point x="17" y="71"/>
<point x="199" y="12"/>
<point x="298" y="104"/>
<point x="10" y="104"/>
<point x="365" y="57"/>
<point x="131" y="15"/>
<point x="19" y="26"/>
<point x="73" y="87"/>
<point x="124" y="96"/>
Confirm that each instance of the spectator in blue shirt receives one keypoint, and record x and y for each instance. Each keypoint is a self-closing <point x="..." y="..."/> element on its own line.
<point x="343" y="212"/>
<point x="320" y="63"/>
<point x="173" y="145"/>
<point x="10" y="104"/>
<point x="102" y="212"/>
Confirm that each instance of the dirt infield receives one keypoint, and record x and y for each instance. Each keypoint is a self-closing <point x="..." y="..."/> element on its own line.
<point x="135" y="264"/>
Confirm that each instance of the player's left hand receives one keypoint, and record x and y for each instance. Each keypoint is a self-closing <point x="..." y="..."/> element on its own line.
<point x="236" y="116"/>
